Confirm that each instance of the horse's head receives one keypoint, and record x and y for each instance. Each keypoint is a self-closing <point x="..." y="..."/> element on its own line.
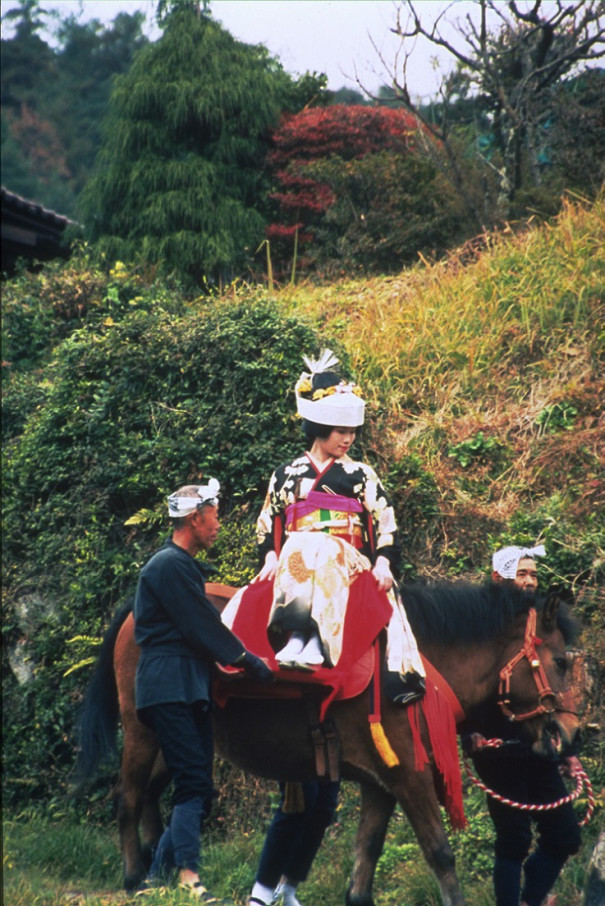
<point x="534" y="690"/>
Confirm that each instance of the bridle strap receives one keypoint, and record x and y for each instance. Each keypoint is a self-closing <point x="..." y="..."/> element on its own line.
<point x="537" y="671"/>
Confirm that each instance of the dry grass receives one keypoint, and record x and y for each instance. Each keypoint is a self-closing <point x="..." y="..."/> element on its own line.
<point x="504" y="343"/>
<point x="438" y="333"/>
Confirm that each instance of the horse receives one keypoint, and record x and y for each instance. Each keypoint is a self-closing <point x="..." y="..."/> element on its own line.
<point x="501" y="651"/>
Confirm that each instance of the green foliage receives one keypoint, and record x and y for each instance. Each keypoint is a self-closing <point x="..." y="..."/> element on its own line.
<point x="179" y="180"/>
<point x="356" y="191"/>
<point x="127" y="389"/>
<point x="574" y="541"/>
<point x="578" y="105"/>
<point x="387" y="207"/>
<point x="39" y="846"/>
<point x="416" y="499"/>
<point x="557" y="417"/>
<point x="48" y="856"/>
<point x="54" y="99"/>
<point x="38" y="729"/>
<point x="475" y="448"/>
<point x="215" y="403"/>
<point x="41" y="309"/>
<point x="235" y="550"/>
<point x="27" y="61"/>
<point x="132" y="403"/>
<point x="393" y="856"/>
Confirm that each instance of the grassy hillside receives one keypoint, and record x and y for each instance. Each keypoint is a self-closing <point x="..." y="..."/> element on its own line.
<point x="484" y="380"/>
<point x="485" y="370"/>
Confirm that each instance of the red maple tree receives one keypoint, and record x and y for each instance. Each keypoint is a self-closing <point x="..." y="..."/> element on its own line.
<point x="347" y="132"/>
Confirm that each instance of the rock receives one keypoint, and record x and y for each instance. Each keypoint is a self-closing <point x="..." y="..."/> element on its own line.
<point x="33" y="611"/>
<point x="595" y="886"/>
<point x="20" y="662"/>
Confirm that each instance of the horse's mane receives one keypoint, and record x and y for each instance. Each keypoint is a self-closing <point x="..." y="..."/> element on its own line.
<point x="461" y="612"/>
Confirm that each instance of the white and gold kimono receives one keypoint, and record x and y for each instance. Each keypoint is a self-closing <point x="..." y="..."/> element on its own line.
<point x="328" y="523"/>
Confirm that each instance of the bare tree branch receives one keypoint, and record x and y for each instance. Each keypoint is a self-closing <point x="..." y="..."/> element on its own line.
<point x="513" y="54"/>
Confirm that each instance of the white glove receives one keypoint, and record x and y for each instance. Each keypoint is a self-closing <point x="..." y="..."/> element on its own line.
<point x="382" y="573"/>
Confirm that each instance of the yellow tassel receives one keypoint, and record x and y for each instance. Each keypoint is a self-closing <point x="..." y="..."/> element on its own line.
<point x="294" y="800"/>
<point x="383" y="745"/>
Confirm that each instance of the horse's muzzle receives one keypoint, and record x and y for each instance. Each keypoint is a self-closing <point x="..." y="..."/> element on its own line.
<point x="555" y="744"/>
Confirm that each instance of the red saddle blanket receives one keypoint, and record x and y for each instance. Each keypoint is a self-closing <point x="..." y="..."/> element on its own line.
<point x="368" y="612"/>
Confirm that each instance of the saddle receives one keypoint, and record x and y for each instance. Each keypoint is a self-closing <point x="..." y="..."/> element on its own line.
<point x="347" y="679"/>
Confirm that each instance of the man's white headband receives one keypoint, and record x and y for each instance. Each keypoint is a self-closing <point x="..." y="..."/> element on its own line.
<point x="339" y="406"/>
<point x="505" y="562"/>
<point x="182" y="506"/>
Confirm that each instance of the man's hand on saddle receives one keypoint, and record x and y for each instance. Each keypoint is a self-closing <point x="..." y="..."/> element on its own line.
<point x="254" y="667"/>
<point x="269" y="569"/>
<point x="382" y="573"/>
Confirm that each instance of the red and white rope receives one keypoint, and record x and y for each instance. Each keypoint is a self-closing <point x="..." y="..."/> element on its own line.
<point x="578" y="774"/>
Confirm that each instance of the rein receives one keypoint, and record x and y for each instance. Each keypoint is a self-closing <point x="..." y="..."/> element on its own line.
<point x="537" y="671"/>
<point x="578" y="774"/>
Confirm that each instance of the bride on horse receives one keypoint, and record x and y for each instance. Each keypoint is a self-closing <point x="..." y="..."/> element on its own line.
<point x="327" y="519"/>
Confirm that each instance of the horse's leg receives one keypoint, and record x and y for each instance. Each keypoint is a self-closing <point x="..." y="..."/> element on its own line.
<point x="152" y="825"/>
<point x="415" y="791"/>
<point x="140" y="752"/>
<point x="376" y="809"/>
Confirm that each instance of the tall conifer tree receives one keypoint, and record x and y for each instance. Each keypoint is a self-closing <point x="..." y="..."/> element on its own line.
<point x="179" y="179"/>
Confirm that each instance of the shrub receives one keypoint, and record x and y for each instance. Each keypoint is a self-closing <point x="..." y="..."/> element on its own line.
<point x="41" y="309"/>
<point x="132" y="409"/>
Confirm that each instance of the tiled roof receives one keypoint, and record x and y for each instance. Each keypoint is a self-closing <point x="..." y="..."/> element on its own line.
<point x="13" y="201"/>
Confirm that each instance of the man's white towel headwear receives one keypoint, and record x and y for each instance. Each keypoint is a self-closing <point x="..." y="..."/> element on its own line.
<point x="505" y="562"/>
<point x="182" y="506"/>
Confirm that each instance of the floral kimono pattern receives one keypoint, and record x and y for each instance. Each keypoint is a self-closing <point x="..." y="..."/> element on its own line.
<point x="327" y="525"/>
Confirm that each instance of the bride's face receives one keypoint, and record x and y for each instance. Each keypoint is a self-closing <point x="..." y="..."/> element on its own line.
<point x="337" y="443"/>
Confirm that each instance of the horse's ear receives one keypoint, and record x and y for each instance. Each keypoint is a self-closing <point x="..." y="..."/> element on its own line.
<point x="550" y="610"/>
<point x="554" y="598"/>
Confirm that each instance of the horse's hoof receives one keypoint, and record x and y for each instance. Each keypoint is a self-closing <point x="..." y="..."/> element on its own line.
<point x="132" y="883"/>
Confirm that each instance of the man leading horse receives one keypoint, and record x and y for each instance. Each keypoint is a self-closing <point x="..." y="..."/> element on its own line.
<point x="181" y="635"/>
<point x="514" y="772"/>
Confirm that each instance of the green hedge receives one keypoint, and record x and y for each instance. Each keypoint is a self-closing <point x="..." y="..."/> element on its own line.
<point x="127" y="407"/>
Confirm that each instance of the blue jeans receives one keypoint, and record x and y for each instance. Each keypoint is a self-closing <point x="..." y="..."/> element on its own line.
<point x="293" y="838"/>
<point x="184" y="732"/>
<point x="179" y="845"/>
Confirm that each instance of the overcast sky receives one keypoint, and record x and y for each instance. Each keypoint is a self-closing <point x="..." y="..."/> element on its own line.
<point x="330" y="36"/>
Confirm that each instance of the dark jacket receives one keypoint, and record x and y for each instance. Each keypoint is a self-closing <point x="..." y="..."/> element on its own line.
<point x="179" y="631"/>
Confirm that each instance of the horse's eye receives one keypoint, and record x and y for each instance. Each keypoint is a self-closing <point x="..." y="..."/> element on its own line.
<point x="561" y="664"/>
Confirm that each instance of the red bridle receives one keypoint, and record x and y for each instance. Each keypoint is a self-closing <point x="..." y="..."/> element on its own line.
<point x="537" y="670"/>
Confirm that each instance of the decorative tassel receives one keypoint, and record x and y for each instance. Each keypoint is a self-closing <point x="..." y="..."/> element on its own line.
<point x="383" y="745"/>
<point x="421" y="759"/>
<point x="294" y="800"/>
